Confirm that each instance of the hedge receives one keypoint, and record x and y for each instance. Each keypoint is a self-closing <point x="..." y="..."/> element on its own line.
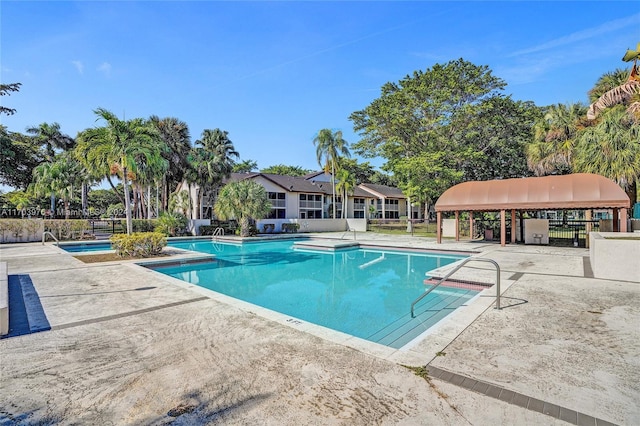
<point x="138" y="244"/>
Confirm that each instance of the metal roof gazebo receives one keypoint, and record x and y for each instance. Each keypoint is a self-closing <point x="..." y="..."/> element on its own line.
<point x="575" y="191"/>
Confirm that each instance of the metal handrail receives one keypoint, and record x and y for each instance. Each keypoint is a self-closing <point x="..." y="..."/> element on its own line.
<point x="219" y="231"/>
<point x="464" y="262"/>
<point x="44" y="235"/>
<point x="347" y="231"/>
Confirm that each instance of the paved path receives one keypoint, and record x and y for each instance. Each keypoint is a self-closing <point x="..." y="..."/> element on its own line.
<point x="130" y="346"/>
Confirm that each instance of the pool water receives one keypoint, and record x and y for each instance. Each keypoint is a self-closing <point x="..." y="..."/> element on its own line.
<point x="85" y="247"/>
<point x="366" y="293"/>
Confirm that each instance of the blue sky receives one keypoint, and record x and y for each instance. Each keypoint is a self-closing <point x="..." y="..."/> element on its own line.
<point x="274" y="73"/>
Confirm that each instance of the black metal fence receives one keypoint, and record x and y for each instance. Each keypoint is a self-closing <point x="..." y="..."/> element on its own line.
<point x="571" y="232"/>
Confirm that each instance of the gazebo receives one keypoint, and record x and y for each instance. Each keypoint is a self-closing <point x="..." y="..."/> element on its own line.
<point x="576" y="191"/>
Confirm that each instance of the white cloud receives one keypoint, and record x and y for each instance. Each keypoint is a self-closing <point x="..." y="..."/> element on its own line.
<point x="79" y="66"/>
<point x="589" y="33"/>
<point x="105" y="68"/>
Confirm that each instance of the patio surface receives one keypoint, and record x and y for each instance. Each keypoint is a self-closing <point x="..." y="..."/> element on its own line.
<point x="131" y="346"/>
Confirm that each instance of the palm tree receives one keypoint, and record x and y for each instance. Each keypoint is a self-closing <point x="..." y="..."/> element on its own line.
<point x="175" y="134"/>
<point x="243" y="200"/>
<point x="620" y="87"/>
<point x="51" y="139"/>
<point x="122" y="146"/>
<point x="212" y="161"/>
<point x="345" y="184"/>
<point x="330" y="146"/>
<point x="554" y="137"/>
<point x="610" y="148"/>
<point x="58" y="177"/>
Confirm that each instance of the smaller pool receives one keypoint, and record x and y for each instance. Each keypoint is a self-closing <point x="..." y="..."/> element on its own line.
<point x="85" y="247"/>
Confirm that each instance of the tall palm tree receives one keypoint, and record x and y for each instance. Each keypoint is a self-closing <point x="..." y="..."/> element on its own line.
<point x="619" y="87"/>
<point x="346" y="182"/>
<point x="51" y="139"/>
<point x="554" y="137"/>
<point x="212" y="161"/>
<point x="330" y="146"/>
<point x="175" y="134"/>
<point x="610" y="148"/>
<point x="122" y="145"/>
<point x="243" y="200"/>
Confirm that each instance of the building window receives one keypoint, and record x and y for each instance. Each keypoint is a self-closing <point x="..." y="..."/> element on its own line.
<point x="310" y="206"/>
<point x="278" y="205"/>
<point x="391" y="209"/>
<point x="358" y="208"/>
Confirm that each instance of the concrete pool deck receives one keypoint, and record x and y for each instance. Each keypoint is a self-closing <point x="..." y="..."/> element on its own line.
<point x="131" y="346"/>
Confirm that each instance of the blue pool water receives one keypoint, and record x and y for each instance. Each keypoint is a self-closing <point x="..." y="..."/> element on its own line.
<point x="362" y="292"/>
<point x="85" y="247"/>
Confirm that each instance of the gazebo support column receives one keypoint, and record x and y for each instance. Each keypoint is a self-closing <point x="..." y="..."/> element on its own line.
<point x="623" y="220"/>
<point x="471" y="225"/>
<point x="439" y="227"/>
<point x="616" y="222"/>
<point x="513" y="226"/>
<point x="587" y="227"/>
<point x="457" y="225"/>
<point x="503" y="228"/>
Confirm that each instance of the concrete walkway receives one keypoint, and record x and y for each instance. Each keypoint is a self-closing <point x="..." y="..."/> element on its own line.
<point x="131" y="346"/>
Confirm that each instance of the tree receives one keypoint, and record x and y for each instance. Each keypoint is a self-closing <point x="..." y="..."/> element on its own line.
<point x="425" y="177"/>
<point x="616" y="88"/>
<point x="51" y="139"/>
<point x="60" y="177"/>
<point x="555" y="134"/>
<point x="281" y="169"/>
<point x="346" y="182"/>
<point x="362" y="172"/>
<point x="6" y="89"/>
<point x="611" y="148"/>
<point x="212" y="161"/>
<point x="20" y="156"/>
<point x="330" y="147"/>
<point x="245" y="166"/>
<point x="243" y="200"/>
<point x="175" y="134"/>
<point x="119" y="147"/>
<point x="442" y="113"/>
<point x="21" y="200"/>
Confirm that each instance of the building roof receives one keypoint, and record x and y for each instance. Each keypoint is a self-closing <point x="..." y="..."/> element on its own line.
<point x="304" y="184"/>
<point x="576" y="191"/>
<point x="382" y="191"/>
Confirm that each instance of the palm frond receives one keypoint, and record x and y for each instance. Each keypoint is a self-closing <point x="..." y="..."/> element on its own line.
<point x="618" y="95"/>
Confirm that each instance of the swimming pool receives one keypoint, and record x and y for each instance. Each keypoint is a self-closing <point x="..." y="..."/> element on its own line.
<point x="363" y="292"/>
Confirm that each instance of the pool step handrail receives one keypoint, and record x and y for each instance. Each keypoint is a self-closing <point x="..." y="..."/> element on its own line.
<point x="44" y="236"/>
<point x="219" y="231"/>
<point x="456" y="269"/>
<point x="347" y="231"/>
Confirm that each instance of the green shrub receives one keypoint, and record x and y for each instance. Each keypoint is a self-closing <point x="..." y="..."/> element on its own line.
<point x="290" y="227"/>
<point x="171" y="224"/>
<point x="206" y="229"/>
<point x="143" y="225"/>
<point x="138" y="244"/>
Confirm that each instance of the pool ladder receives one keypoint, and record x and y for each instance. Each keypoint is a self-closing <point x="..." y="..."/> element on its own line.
<point x="44" y="236"/>
<point x="217" y="233"/>
<point x="456" y="269"/>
